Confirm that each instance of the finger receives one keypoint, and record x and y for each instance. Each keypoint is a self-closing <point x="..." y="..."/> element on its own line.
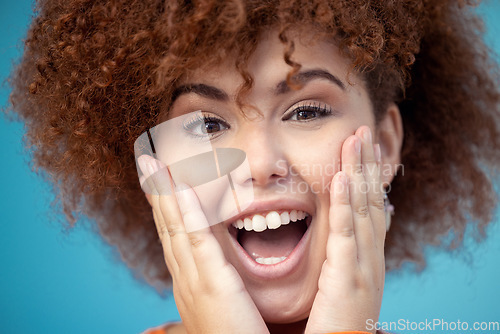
<point x="378" y="205"/>
<point x="172" y="265"/>
<point x="171" y="231"/>
<point x="154" y="179"/>
<point x="351" y="165"/>
<point x="341" y="246"/>
<point x="373" y="189"/>
<point x="207" y="253"/>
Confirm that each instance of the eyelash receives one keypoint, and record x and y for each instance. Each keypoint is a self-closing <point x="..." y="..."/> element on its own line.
<point x="197" y="120"/>
<point x="322" y="111"/>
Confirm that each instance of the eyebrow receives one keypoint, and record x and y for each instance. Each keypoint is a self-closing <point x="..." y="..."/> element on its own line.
<point x="306" y="76"/>
<point x="217" y="94"/>
<point x="207" y="91"/>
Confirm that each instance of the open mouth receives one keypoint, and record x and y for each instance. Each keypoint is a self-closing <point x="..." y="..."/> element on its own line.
<point x="269" y="238"/>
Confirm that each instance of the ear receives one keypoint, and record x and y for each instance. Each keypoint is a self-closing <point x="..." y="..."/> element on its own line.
<point x="390" y="137"/>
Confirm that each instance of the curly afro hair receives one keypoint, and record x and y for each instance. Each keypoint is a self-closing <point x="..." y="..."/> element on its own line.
<point x="95" y="74"/>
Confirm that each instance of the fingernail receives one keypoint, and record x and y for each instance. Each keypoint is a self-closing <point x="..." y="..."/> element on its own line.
<point x="367" y="135"/>
<point x="181" y="187"/>
<point x="378" y="155"/>
<point x="142" y="179"/>
<point x="152" y="167"/>
<point x="142" y="161"/>
<point x="159" y="164"/>
<point x="357" y="145"/>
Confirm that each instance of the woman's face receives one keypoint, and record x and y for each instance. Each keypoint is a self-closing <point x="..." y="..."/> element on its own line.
<point x="293" y="140"/>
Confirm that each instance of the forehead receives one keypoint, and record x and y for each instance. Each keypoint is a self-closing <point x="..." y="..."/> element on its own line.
<point x="267" y="66"/>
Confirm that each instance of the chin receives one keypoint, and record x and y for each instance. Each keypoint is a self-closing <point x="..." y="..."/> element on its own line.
<point x="283" y="307"/>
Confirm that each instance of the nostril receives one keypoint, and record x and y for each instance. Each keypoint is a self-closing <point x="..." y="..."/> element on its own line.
<point x="265" y="172"/>
<point x="282" y="168"/>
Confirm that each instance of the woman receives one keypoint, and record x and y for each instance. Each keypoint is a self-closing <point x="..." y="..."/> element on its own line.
<point x="100" y="75"/>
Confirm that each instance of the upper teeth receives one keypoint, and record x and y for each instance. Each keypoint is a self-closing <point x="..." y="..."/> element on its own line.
<point x="272" y="220"/>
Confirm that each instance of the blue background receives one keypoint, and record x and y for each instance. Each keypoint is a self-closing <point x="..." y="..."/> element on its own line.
<point x="54" y="281"/>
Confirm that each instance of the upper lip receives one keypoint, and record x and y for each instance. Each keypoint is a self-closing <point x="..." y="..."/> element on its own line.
<point x="261" y="206"/>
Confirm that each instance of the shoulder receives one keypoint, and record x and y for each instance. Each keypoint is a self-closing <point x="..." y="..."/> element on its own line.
<point x="169" y="328"/>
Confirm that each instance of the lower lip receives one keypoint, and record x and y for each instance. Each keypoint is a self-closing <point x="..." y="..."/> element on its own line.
<point x="273" y="271"/>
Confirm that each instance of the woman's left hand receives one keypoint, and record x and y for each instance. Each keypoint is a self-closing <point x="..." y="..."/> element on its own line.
<point x="351" y="283"/>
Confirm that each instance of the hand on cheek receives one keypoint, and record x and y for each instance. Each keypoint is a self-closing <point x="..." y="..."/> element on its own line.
<point x="209" y="293"/>
<point x="352" y="278"/>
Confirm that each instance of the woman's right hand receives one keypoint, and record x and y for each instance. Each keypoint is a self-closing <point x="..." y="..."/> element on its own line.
<point x="209" y="293"/>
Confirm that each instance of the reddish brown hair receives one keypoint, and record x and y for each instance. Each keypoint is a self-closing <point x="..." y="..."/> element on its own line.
<point x="96" y="74"/>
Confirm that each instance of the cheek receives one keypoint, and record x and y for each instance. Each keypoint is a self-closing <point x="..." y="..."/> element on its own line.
<point x="315" y="163"/>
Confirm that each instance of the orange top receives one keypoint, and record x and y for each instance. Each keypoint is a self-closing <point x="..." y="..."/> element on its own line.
<point x="163" y="330"/>
<point x="156" y="331"/>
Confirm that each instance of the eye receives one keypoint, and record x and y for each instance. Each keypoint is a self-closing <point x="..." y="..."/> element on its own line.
<point x="308" y="112"/>
<point x="203" y="125"/>
<point x="211" y="126"/>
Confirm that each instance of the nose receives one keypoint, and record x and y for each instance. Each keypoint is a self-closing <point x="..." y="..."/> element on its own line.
<point x="266" y="157"/>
